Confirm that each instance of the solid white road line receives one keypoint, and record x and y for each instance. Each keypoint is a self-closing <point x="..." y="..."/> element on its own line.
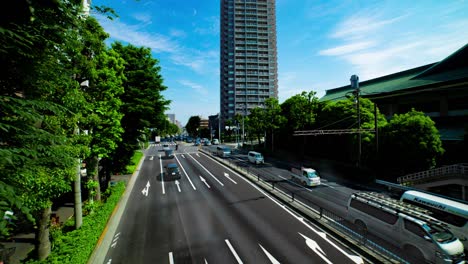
<point x="207" y="171"/>
<point x="162" y="175"/>
<point x="171" y="258"/>
<point x="186" y="174"/>
<point x="233" y="251"/>
<point x="354" y="258"/>
<point x="270" y="257"/>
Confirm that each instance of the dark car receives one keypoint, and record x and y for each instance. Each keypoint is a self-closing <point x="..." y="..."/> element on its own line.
<point x="172" y="171"/>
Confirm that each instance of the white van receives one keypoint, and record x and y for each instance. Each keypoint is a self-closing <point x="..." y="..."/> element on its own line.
<point x="255" y="157"/>
<point x="450" y="212"/>
<point x="215" y="141"/>
<point x="420" y="237"/>
<point x="223" y="151"/>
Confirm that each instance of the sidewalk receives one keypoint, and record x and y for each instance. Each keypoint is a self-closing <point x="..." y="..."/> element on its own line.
<point x="22" y="244"/>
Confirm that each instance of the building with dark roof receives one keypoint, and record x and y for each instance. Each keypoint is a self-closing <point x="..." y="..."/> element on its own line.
<point x="440" y="90"/>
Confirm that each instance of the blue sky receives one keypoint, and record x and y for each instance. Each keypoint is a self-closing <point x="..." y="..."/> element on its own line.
<point x="320" y="43"/>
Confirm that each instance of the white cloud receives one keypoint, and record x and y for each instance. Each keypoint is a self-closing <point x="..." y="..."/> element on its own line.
<point x="212" y="27"/>
<point x="142" y="17"/>
<point x="178" y="33"/>
<point x="133" y="34"/>
<point x="373" y="49"/>
<point x="196" y="87"/>
<point x="359" y="25"/>
<point x="348" y="48"/>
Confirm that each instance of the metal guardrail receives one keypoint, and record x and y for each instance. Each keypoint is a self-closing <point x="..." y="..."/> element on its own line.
<point x="456" y="169"/>
<point x="329" y="219"/>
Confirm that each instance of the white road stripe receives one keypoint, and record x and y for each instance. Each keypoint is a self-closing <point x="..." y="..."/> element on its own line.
<point x="233" y="251"/>
<point x="270" y="257"/>
<point x="354" y="258"/>
<point x="162" y="175"/>
<point x="171" y="258"/>
<point x="186" y="174"/>
<point x="207" y="171"/>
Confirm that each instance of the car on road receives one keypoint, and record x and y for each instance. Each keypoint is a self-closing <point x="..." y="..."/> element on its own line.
<point x="169" y="153"/>
<point x="223" y="152"/>
<point x="215" y="141"/>
<point x="172" y="171"/>
<point x="255" y="157"/>
<point x="207" y="142"/>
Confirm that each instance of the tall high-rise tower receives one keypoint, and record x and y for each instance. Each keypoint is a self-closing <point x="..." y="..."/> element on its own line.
<point x="249" y="72"/>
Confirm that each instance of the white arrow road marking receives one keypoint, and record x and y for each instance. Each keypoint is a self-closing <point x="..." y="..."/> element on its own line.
<point x="171" y="258"/>
<point x="162" y="174"/>
<point x="204" y="181"/>
<point x="182" y="167"/>
<point x="109" y="261"/>
<point x="206" y="262"/>
<point x="197" y="155"/>
<point x="183" y="156"/>
<point x="151" y="158"/>
<point x="233" y="251"/>
<point x="207" y="171"/>
<point x="354" y="258"/>
<point x="227" y="176"/>
<point x="177" y="183"/>
<point x="316" y="248"/>
<point x="146" y="189"/>
<point x="270" y="257"/>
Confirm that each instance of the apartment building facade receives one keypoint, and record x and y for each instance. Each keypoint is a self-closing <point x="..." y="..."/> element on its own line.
<point x="248" y="71"/>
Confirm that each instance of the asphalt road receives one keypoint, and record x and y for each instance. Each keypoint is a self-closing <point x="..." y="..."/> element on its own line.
<point x="212" y="215"/>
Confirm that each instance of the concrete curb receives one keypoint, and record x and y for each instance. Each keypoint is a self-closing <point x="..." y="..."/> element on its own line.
<point x="104" y="242"/>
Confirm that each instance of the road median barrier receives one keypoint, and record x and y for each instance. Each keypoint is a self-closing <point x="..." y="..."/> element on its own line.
<point x="318" y="215"/>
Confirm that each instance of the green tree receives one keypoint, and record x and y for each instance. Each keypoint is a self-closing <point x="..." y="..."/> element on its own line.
<point x="38" y="94"/>
<point x="143" y="104"/>
<point x="273" y="119"/>
<point x="411" y="142"/>
<point x="256" y="124"/>
<point x="300" y="111"/>
<point x="193" y="125"/>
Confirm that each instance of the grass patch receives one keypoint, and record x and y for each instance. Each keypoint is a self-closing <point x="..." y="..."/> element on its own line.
<point x="76" y="246"/>
<point x="134" y="162"/>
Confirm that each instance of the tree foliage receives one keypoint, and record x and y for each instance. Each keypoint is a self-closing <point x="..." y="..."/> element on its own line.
<point x="300" y="111"/>
<point x="192" y="126"/>
<point x="143" y="105"/>
<point x="411" y="143"/>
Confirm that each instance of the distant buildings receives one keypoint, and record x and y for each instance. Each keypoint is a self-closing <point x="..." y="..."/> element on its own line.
<point x="248" y="55"/>
<point x="171" y="118"/>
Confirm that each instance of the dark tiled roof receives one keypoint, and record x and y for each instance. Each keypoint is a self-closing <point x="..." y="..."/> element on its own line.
<point x="454" y="67"/>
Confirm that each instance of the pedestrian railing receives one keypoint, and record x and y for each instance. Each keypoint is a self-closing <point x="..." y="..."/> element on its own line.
<point x="446" y="172"/>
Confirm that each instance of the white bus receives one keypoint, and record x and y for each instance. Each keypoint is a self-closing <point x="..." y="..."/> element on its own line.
<point x="453" y="213"/>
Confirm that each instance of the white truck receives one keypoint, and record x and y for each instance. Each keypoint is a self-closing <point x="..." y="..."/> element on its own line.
<point x="157" y="139"/>
<point x="305" y="176"/>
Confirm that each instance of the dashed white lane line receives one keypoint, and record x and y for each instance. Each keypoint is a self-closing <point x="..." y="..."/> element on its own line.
<point x="233" y="251"/>
<point x="171" y="258"/>
<point x="186" y="174"/>
<point x="162" y="175"/>
<point x="207" y="171"/>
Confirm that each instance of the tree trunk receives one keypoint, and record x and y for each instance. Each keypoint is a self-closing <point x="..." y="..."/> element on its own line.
<point x="97" y="196"/>
<point x="42" y="236"/>
<point x="78" y="202"/>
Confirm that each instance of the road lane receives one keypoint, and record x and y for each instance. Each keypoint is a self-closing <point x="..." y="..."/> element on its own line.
<point x="192" y="226"/>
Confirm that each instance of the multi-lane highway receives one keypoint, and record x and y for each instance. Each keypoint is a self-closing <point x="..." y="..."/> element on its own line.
<point x="212" y="215"/>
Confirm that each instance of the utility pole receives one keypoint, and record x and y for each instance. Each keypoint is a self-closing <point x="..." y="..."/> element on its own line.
<point x="376" y="130"/>
<point x="355" y="84"/>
